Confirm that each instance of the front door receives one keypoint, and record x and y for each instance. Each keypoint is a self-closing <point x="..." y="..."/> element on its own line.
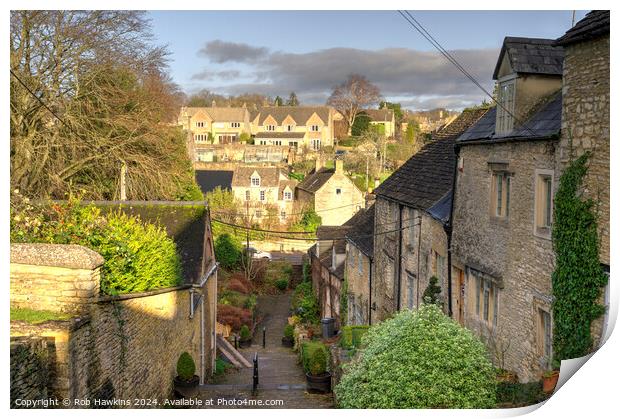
<point x="460" y="296"/>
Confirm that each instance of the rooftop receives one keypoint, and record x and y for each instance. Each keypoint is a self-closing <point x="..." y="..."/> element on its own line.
<point x="316" y="179"/>
<point x="361" y="233"/>
<point x="532" y="56"/>
<point x="593" y="25"/>
<point x="208" y="180"/>
<point x="300" y="114"/>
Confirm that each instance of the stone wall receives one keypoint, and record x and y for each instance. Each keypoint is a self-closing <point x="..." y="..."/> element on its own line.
<point x="357" y="273"/>
<point x="505" y="250"/>
<point x="30" y="370"/>
<point x="124" y="347"/>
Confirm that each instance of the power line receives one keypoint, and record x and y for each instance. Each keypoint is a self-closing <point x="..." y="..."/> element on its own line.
<point x="238" y="214"/>
<point x="420" y="28"/>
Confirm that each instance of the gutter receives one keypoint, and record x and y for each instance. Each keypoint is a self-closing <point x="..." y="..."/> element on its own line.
<point x="369" y="291"/>
<point x="399" y="254"/>
<point x="448" y="227"/>
<point x="506" y="140"/>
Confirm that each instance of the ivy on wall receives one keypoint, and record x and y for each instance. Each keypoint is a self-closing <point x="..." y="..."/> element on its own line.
<point x="578" y="277"/>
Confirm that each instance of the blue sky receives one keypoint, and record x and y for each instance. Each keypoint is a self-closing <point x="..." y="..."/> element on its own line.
<point x="274" y="52"/>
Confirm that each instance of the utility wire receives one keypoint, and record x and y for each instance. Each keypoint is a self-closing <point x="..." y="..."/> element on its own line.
<point x="420" y="28"/>
<point x="240" y="214"/>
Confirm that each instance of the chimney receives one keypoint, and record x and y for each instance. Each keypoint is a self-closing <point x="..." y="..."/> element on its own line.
<point x="213" y="103"/>
<point x="339" y="166"/>
<point x="319" y="163"/>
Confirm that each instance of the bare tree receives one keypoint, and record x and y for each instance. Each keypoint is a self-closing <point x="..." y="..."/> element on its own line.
<point x="353" y="95"/>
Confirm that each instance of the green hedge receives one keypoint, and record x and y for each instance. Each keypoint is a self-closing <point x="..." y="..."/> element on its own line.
<point x="352" y="336"/>
<point x="419" y="359"/>
<point x="309" y="355"/>
<point x="305" y="304"/>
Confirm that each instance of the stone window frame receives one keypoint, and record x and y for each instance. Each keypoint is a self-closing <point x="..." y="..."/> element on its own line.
<point x="360" y="262"/>
<point x="270" y="127"/>
<point x="200" y="124"/>
<point x="496" y="202"/>
<point x="540" y="306"/>
<point x="477" y="285"/>
<point x="289" y="128"/>
<point x="287" y="195"/>
<point x="314" y="128"/>
<point x="540" y="228"/>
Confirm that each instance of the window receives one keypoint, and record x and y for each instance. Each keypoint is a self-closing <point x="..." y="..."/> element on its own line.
<point x="486" y="299"/>
<point x="258" y="214"/>
<point x="262" y="195"/>
<point x="283" y="214"/>
<point x="277" y="142"/>
<point x="202" y="155"/>
<point x="314" y="128"/>
<point x="411" y="222"/>
<point x="255" y="181"/>
<point x="200" y="124"/>
<point x="201" y="138"/>
<point x="316" y="144"/>
<point x="544" y="202"/>
<point x="235" y="124"/>
<point x="288" y="195"/>
<point x="505" y="110"/>
<point x="543" y="334"/>
<point x="270" y="127"/>
<point x="338" y="191"/>
<point x="410" y="290"/>
<point x="360" y="262"/>
<point x="290" y="128"/>
<point x="293" y="143"/>
<point x="247" y="195"/>
<point x="500" y="196"/>
<point x="437" y="264"/>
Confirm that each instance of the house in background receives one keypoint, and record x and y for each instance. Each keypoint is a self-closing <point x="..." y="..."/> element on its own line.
<point x="412" y="210"/>
<point x="295" y="126"/>
<point x="331" y="193"/>
<point x="585" y="121"/>
<point x="213" y="125"/>
<point x="503" y="256"/>
<point x="382" y="118"/>
<point x="265" y="193"/>
<point x="358" y="266"/>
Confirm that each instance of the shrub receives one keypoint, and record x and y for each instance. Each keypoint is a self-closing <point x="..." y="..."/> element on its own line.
<point x="518" y="394"/>
<point x="221" y="366"/>
<point x="314" y="357"/>
<point x="239" y="284"/>
<point x="431" y="293"/>
<point x="186" y="368"/>
<point x="419" y="359"/>
<point x="304" y="303"/>
<point x="244" y="333"/>
<point x="250" y="302"/>
<point x="289" y="331"/>
<point x="282" y="284"/>
<point x="307" y="272"/>
<point x="352" y="336"/>
<point x="233" y="316"/>
<point x="227" y="251"/>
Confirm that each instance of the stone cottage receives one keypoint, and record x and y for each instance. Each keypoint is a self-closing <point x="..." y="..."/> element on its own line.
<point x="331" y="193"/>
<point x="411" y="214"/>
<point x="358" y="266"/>
<point x="585" y="118"/>
<point x="502" y="257"/>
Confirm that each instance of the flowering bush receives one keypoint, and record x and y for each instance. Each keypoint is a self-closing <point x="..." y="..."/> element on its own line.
<point x="138" y="256"/>
<point x="419" y="359"/>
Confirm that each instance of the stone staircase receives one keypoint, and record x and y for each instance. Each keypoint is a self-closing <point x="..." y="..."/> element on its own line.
<point x="231" y="354"/>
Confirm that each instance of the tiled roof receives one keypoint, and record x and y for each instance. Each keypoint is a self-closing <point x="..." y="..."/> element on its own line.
<point x="593" y="25"/>
<point x="315" y="180"/>
<point x="211" y="179"/>
<point x="270" y="134"/>
<point x="361" y="234"/>
<point x="441" y="210"/>
<point x="300" y="114"/>
<point x="427" y="176"/>
<point x="220" y="114"/>
<point x="269" y="176"/>
<point x="545" y="122"/>
<point x="531" y="55"/>
<point x="385" y="115"/>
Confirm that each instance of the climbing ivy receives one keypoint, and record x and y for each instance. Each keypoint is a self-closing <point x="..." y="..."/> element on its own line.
<point x="578" y="276"/>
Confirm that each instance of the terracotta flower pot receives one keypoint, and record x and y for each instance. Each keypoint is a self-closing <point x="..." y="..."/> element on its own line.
<point x="550" y="380"/>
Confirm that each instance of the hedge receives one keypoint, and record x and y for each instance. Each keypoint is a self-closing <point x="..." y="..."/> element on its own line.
<point x="352" y="336"/>
<point x="419" y="359"/>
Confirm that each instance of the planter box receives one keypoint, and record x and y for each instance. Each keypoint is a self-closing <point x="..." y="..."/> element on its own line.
<point x="319" y="383"/>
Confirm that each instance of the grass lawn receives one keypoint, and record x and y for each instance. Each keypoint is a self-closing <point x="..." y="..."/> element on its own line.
<point x="36" y="316"/>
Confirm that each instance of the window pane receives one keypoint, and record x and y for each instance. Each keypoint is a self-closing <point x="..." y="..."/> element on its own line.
<point x="498" y="211"/>
<point x="485" y="314"/>
<point x="507" y="196"/>
<point x="548" y="202"/>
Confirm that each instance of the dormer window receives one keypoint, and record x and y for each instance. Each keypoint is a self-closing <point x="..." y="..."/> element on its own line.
<point x="255" y="181"/>
<point x="506" y="106"/>
<point x="235" y="124"/>
<point x="288" y="195"/>
<point x="314" y="128"/>
<point x="290" y="128"/>
<point x="200" y="124"/>
<point x="270" y="127"/>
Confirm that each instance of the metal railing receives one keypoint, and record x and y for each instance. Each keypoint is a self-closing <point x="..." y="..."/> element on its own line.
<point x="255" y="375"/>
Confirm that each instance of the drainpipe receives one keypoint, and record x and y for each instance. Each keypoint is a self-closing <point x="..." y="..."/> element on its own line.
<point x="369" y="291"/>
<point x="448" y="227"/>
<point x="400" y="249"/>
<point x="417" y="290"/>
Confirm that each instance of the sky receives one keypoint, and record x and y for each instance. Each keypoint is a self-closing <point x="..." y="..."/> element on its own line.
<point x="310" y="52"/>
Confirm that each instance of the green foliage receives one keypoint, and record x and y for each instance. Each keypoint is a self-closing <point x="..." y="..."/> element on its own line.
<point x="138" y="256"/>
<point x="304" y="303"/>
<point x="289" y="331"/>
<point x="278" y="101"/>
<point x="250" y="302"/>
<point x="431" y="293"/>
<point x="352" y="336"/>
<point x="244" y="137"/>
<point x="396" y="107"/>
<point x="578" y="277"/>
<point x="419" y="359"/>
<point x="190" y="191"/>
<point x="379" y="128"/>
<point x="244" y="333"/>
<point x="314" y="357"/>
<point x="306" y="272"/>
<point x="309" y="221"/>
<point x="518" y="394"/>
<point x="344" y="302"/>
<point x="296" y="176"/>
<point x="227" y="251"/>
<point x="36" y="316"/>
<point x="282" y="284"/>
<point x="186" y="368"/>
<point x="292" y="100"/>
<point x="360" y="124"/>
<point x="221" y="366"/>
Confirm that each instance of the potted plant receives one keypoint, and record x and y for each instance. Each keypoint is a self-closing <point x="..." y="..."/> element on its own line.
<point x="245" y="337"/>
<point x="288" y="340"/>
<point x="505" y="376"/>
<point x="317" y="376"/>
<point x="186" y="381"/>
<point x="550" y="380"/>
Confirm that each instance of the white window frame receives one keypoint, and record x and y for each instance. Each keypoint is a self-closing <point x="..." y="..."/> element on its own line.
<point x="247" y="195"/>
<point x="270" y="127"/>
<point x="315" y="128"/>
<point x="255" y="181"/>
<point x="288" y="196"/>
<point x="500" y="194"/>
<point x="262" y="195"/>
<point x="235" y="124"/>
<point x="506" y="98"/>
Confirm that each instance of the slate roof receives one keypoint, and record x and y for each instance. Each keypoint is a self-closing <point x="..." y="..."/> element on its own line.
<point x="427" y="176"/>
<point x="220" y="114"/>
<point x="208" y="180"/>
<point x="300" y="114"/>
<point x="269" y="176"/>
<point x="531" y="55"/>
<point x="544" y="123"/>
<point x="315" y="180"/>
<point x="593" y="25"/>
<point x="270" y="134"/>
<point x="379" y="115"/>
<point x="361" y="234"/>
<point x="441" y="210"/>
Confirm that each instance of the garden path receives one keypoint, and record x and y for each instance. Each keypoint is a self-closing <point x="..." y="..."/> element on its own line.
<point x="280" y="376"/>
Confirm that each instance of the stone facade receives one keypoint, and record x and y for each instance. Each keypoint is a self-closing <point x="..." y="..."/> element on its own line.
<point x="506" y="252"/>
<point x="358" y="271"/>
<point x="30" y="370"/>
<point x="423" y="254"/>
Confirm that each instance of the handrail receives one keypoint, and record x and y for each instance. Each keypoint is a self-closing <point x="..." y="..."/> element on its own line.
<point x="255" y="375"/>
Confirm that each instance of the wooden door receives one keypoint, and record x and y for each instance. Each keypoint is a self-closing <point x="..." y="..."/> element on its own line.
<point x="460" y="296"/>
